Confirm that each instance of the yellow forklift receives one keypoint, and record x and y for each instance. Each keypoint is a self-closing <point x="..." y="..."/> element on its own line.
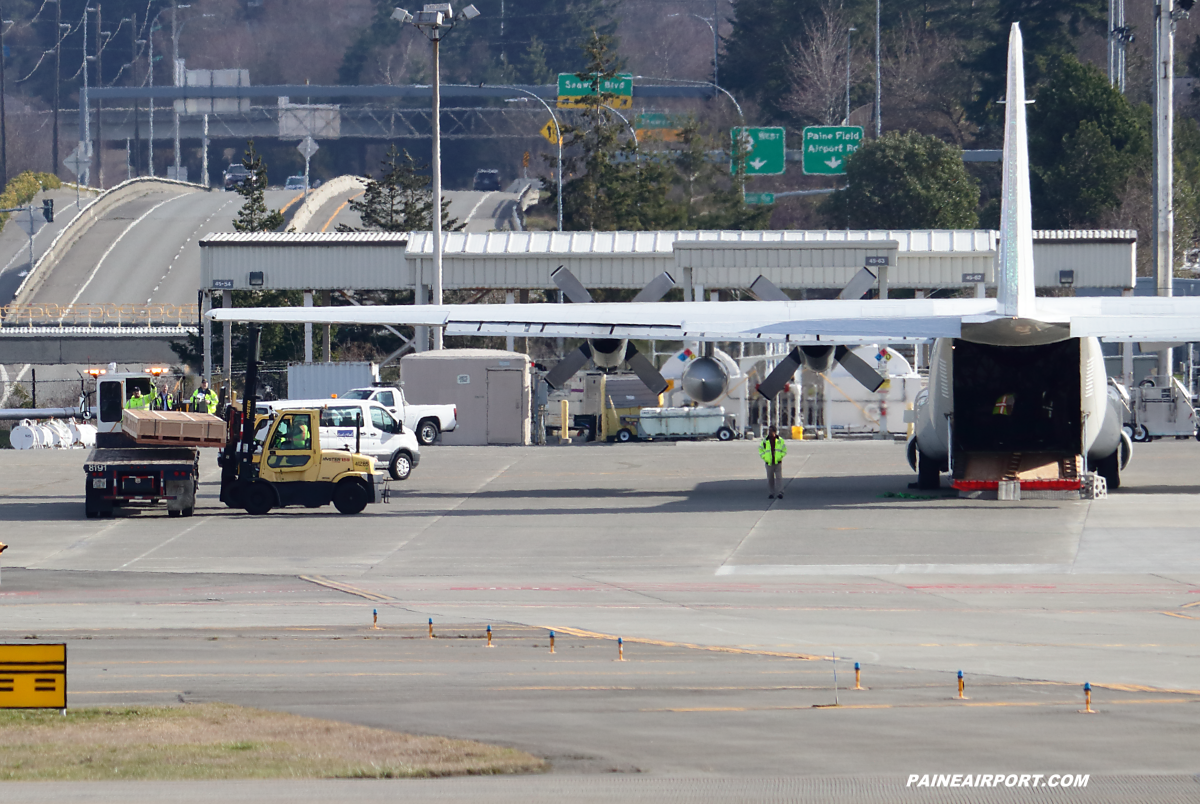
<point x="275" y="461"/>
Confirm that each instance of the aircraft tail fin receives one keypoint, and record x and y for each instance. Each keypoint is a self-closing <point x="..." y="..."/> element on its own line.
<point x="1014" y="268"/>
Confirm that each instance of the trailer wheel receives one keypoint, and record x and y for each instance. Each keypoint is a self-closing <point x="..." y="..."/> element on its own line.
<point x="724" y="434"/>
<point x="258" y="498"/>
<point x="624" y="435"/>
<point x="91" y="514"/>
<point x="401" y="466"/>
<point x="1140" y="433"/>
<point x="350" y="497"/>
<point x="174" y="513"/>
<point x="427" y="432"/>
<point x="188" y="511"/>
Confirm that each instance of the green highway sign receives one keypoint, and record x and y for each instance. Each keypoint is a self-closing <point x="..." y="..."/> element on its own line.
<point x="654" y="120"/>
<point x="762" y="151"/>
<point x="571" y="89"/>
<point x="758" y="198"/>
<point x="826" y="148"/>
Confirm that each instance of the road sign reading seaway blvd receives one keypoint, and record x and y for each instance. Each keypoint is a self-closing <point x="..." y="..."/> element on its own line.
<point x="826" y="148"/>
<point x="762" y="151"/>
<point x="571" y="91"/>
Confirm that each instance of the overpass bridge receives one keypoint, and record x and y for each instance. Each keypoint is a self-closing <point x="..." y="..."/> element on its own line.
<point x="44" y="334"/>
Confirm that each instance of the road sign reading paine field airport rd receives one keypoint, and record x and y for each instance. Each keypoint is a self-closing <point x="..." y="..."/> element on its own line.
<point x="763" y="150"/>
<point x="826" y="148"/>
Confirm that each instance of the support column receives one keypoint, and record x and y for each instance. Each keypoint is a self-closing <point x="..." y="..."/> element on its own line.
<point x="883" y="281"/>
<point x="1127" y="355"/>
<point x="509" y="340"/>
<point x="308" y="329"/>
<point x="327" y="301"/>
<point x="421" y="334"/>
<point x="523" y="298"/>
<point x="206" y="305"/>
<point x="688" y="294"/>
<point x="227" y="350"/>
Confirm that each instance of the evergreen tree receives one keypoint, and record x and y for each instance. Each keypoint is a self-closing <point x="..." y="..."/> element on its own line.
<point x="400" y="200"/>
<point x="905" y="181"/>
<point x="254" y="215"/>
<point x="1085" y="140"/>
<point x="613" y="187"/>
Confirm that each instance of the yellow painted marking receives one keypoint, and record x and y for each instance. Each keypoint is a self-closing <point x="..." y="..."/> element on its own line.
<point x="345" y="587"/>
<point x="1190" y="605"/>
<point x="715" y="648"/>
<point x="338" y="211"/>
<point x="289" y="204"/>
<point x="1180" y="616"/>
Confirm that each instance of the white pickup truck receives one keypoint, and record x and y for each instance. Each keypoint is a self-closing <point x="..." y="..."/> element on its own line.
<point x="424" y="420"/>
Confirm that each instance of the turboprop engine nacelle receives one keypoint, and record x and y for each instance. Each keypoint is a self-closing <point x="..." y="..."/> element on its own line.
<point x="705" y="379"/>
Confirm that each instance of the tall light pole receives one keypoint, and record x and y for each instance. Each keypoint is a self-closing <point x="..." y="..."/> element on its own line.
<point x="878" y="87"/>
<point x="3" y="133"/>
<point x="58" y="37"/>
<point x="557" y="139"/>
<point x="435" y="21"/>
<point x="848" y="32"/>
<point x="712" y="24"/>
<point x="1165" y="17"/>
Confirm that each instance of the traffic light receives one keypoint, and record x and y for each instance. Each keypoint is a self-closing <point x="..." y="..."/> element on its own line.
<point x="48" y="210"/>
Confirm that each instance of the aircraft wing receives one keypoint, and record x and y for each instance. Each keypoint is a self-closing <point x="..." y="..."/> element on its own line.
<point x="1126" y="318"/>
<point x="836" y="321"/>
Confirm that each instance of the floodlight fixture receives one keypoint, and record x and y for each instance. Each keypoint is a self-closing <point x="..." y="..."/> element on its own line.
<point x="401" y="16"/>
<point x="468" y="13"/>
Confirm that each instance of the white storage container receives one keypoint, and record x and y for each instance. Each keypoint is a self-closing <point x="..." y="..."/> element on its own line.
<point x="323" y="380"/>
<point x="680" y="422"/>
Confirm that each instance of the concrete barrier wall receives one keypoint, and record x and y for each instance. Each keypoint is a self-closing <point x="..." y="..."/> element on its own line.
<point x="323" y="195"/>
<point x="85" y="220"/>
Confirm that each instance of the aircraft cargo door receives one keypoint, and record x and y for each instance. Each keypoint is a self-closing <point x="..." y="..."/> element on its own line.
<point x="507" y="406"/>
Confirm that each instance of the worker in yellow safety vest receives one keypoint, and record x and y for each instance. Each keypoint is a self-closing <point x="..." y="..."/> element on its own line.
<point x="204" y="399"/>
<point x="772" y="449"/>
<point x="137" y="401"/>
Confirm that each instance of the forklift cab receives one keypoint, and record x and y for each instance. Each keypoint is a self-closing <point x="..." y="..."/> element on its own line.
<point x="292" y="449"/>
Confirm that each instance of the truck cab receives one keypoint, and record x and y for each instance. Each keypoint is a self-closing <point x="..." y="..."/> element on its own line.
<point x="113" y="392"/>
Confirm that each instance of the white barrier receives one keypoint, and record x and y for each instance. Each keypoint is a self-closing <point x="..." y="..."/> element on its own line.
<point x="321" y="196"/>
<point x="104" y="203"/>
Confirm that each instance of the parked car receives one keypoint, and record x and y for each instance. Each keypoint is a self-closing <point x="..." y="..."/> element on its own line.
<point x="381" y="436"/>
<point x="235" y="174"/>
<point x="427" y="421"/>
<point x="294" y="183"/>
<point x="487" y="180"/>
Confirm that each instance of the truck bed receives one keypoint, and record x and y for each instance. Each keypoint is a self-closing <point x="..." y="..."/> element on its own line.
<point x="144" y="456"/>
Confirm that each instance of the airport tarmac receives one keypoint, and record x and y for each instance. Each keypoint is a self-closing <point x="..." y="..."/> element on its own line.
<point x="731" y="607"/>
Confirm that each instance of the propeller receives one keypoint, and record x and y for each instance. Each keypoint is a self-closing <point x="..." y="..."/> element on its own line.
<point x="607" y="352"/>
<point x="817" y="356"/>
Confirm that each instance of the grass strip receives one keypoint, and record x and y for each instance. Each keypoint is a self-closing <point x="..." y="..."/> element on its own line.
<point x="221" y="741"/>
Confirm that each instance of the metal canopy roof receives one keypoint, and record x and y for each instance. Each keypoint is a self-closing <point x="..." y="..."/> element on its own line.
<point x="920" y="259"/>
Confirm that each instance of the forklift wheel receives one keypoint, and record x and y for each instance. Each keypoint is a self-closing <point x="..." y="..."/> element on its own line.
<point x="258" y="498"/>
<point x="350" y="497"/>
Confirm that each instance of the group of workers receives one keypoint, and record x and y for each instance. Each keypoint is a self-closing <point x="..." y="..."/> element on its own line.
<point x="202" y="400"/>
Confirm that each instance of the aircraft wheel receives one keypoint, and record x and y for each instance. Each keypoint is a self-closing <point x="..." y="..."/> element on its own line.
<point x="724" y="434"/>
<point x="929" y="475"/>
<point x="350" y="497"/>
<point x="1110" y="469"/>
<point x="1140" y="433"/>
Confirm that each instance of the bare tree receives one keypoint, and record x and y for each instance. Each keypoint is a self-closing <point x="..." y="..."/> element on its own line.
<point x="923" y="84"/>
<point x="816" y="69"/>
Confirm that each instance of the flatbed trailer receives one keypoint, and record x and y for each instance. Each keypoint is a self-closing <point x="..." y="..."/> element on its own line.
<point x="121" y="476"/>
